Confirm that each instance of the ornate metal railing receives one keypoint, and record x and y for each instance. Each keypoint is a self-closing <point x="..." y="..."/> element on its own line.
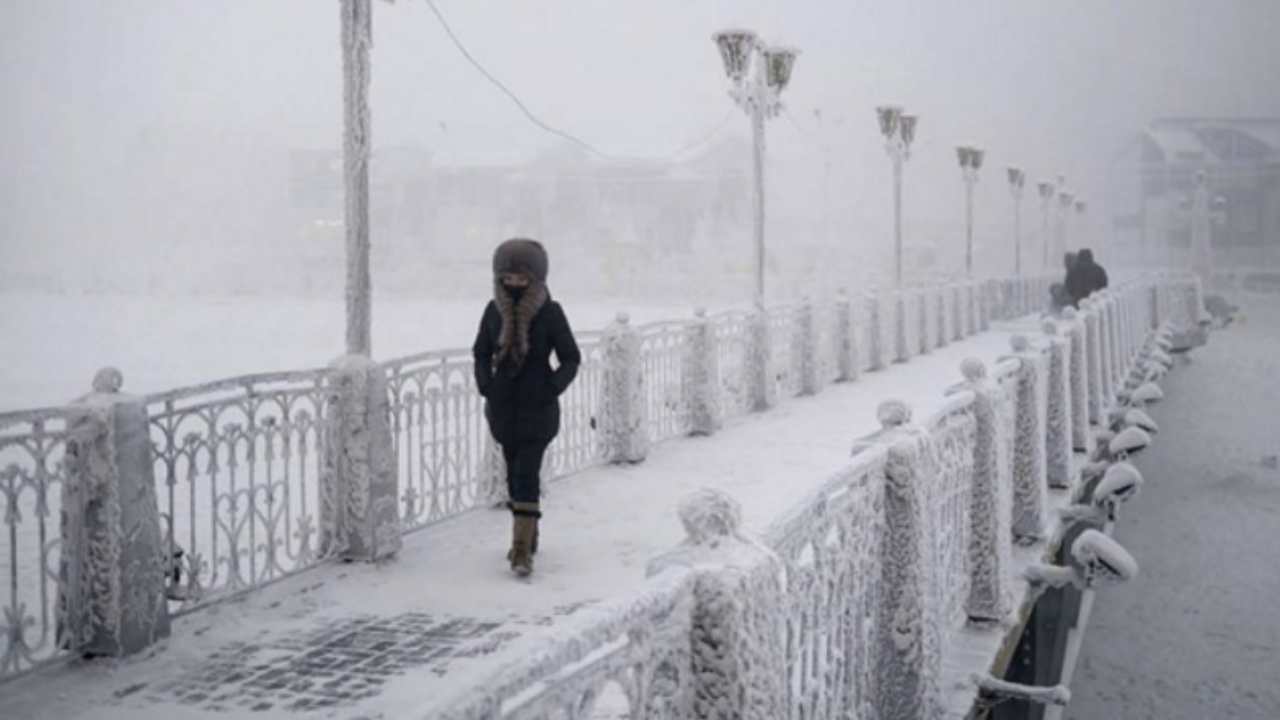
<point x="237" y="467"/>
<point x="662" y="348"/>
<point x="830" y="544"/>
<point x="629" y="658"/>
<point x="32" y="443"/>
<point x="581" y="444"/>
<point x="783" y="347"/>
<point x="733" y="347"/>
<point x="945" y="491"/>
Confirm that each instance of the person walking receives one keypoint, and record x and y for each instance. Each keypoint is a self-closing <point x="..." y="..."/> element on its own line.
<point x="1085" y="277"/>
<point x="519" y="329"/>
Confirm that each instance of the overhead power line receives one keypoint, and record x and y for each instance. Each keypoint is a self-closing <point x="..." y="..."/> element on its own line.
<point x="546" y="127"/>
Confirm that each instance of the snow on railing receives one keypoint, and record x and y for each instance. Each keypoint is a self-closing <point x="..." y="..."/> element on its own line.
<point x="237" y="467"/>
<point x="32" y="475"/>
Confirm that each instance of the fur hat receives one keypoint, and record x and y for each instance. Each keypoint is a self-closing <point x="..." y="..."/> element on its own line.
<point x="521" y="255"/>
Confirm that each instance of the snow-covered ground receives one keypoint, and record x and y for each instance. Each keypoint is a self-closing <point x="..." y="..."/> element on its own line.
<point x="53" y="344"/>
<point x="1197" y="634"/>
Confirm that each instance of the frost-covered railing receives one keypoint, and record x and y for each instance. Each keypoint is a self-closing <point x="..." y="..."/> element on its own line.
<point x="238" y="462"/>
<point x="237" y="466"/>
<point x="32" y="474"/>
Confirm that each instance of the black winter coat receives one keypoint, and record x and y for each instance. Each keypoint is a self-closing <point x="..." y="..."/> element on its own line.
<point x="1084" y="278"/>
<point x="524" y="406"/>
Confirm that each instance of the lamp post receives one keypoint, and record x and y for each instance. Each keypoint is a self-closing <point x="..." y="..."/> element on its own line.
<point x="1065" y="201"/>
<point x="970" y="163"/>
<point x="1016" y="181"/>
<point x="759" y="96"/>
<point x="899" y="130"/>
<point x="1046" y="190"/>
<point x="356" y="39"/>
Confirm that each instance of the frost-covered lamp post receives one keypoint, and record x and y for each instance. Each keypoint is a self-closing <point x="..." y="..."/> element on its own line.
<point x="1065" y="201"/>
<point x="758" y="93"/>
<point x="899" y="130"/>
<point x="1047" y="190"/>
<point x="1201" y="249"/>
<point x="1017" y="180"/>
<point x="970" y="163"/>
<point x="356" y="39"/>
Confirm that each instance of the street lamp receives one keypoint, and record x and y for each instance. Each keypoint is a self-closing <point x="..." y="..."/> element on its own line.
<point x="760" y="97"/>
<point x="1047" y="191"/>
<point x="970" y="163"/>
<point x="1017" y="180"/>
<point x="1065" y="201"/>
<point x="899" y="130"/>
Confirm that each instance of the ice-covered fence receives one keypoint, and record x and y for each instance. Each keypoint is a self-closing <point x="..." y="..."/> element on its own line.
<point x="733" y="348"/>
<point x="237" y="466"/>
<point x="830" y="544"/>
<point x="662" y="350"/>
<point x="32" y="474"/>
<point x="632" y="657"/>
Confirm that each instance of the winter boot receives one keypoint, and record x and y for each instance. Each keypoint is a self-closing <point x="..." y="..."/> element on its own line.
<point x="524" y="527"/>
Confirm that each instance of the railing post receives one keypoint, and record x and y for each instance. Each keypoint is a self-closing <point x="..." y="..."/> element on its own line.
<point x="908" y="646"/>
<point x="626" y="432"/>
<point x="846" y="345"/>
<point x="359" y="488"/>
<point x="1030" y="482"/>
<point x="1058" y="410"/>
<point x="987" y="600"/>
<point x="940" y="302"/>
<point x="983" y="292"/>
<point x="805" y="350"/>
<point x="922" y="321"/>
<point x="113" y="564"/>
<point x="739" y="662"/>
<point x="957" y="314"/>
<point x="875" y="335"/>
<point x="702" y="375"/>
<point x="1081" y="438"/>
<point x="760" y="385"/>
<point x="1093" y="360"/>
<point x="1098" y="304"/>
<point x="901" y="353"/>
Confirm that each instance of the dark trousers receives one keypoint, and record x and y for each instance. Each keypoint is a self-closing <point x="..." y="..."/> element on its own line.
<point x="524" y="463"/>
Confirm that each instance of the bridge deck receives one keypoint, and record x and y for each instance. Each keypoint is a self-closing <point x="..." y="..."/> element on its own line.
<point x="398" y="639"/>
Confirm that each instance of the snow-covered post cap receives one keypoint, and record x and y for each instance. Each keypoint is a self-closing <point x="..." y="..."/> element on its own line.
<point x="622" y="318"/>
<point x="973" y="370"/>
<point x="108" y="380"/>
<point x="710" y="515"/>
<point x="1019" y="343"/>
<point x="893" y="413"/>
<point x="700" y="312"/>
<point x="1070" y="313"/>
<point x="1050" y="328"/>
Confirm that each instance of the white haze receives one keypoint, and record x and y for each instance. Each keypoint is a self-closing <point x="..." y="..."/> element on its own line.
<point x="144" y="144"/>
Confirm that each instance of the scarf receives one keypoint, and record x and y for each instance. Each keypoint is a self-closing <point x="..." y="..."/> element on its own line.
<point x="517" y="316"/>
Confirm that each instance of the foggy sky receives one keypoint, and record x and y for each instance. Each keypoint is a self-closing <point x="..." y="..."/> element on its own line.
<point x="1050" y="86"/>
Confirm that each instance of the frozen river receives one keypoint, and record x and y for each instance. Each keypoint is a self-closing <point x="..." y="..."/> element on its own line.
<point x="51" y="345"/>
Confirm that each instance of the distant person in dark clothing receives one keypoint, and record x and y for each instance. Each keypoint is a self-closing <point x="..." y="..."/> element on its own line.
<point x="1058" y="291"/>
<point x="1085" y="277"/>
<point x="520" y="328"/>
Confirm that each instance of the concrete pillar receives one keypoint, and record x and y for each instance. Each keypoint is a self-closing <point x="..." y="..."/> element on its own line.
<point x="804" y="353"/>
<point x="1081" y="438"/>
<point x="987" y="600"/>
<point x="738" y="648"/>
<point x="623" y="416"/>
<point x="359" y="487"/>
<point x="922" y="321"/>
<point x="875" y="333"/>
<point x="940" y="302"/>
<point x="901" y="353"/>
<point x="957" y="313"/>
<point x="983" y="292"/>
<point x="1058" y="409"/>
<point x="113" y="561"/>
<point x="702" y="376"/>
<point x="1093" y="361"/>
<point x="846" y="340"/>
<point x="908" y="657"/>
<point x="760" y="376"/>
<point x="1030" y="482"/>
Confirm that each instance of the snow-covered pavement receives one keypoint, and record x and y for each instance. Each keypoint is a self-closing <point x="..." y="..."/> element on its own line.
<point x="1197" y="635"/>
<point x="425" y="625"/>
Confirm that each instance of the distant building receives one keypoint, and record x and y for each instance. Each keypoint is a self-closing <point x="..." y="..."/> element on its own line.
<point x="1241" y="160"/>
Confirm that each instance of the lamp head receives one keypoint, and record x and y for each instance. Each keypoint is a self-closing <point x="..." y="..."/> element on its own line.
<point x="735" y="51"/>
